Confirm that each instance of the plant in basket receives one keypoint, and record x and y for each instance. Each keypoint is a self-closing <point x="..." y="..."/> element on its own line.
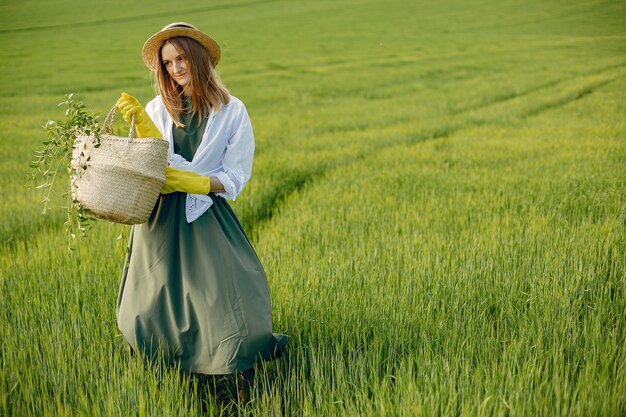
<point x="110" y="177"/>
<point x="55" y="160"/>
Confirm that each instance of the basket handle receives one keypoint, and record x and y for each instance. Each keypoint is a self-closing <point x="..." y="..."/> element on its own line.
<point x="107" y="126"/>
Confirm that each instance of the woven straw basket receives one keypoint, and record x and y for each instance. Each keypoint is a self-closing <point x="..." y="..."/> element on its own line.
<point x="116" y="178"/>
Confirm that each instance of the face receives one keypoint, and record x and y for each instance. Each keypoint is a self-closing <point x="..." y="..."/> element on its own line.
<point x="176" y="64"/>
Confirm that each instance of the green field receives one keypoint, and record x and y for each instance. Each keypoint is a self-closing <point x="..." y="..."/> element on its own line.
<point x="438" y="198"/>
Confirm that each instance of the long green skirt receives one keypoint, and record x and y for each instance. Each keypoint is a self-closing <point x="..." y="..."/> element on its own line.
<point x="195" y="294"/>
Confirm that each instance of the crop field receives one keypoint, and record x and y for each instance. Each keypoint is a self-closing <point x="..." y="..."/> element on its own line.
<point x="438" y="199"/>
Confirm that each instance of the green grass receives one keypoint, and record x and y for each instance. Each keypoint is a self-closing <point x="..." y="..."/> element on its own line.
<point x="438" y="198"/>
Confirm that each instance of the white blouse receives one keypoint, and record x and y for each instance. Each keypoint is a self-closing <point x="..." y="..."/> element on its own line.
<point x="225" y="152"/>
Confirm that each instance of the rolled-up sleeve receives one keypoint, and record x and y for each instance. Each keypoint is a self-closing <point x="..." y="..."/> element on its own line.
<point x="237" y="161"/>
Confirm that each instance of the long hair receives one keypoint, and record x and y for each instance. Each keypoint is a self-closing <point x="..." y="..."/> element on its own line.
<point x="207" y="91"/>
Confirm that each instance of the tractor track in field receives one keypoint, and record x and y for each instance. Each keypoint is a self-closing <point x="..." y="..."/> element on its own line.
<point x="515" y="95"/>
<point x="134" y="17"/>
<point x="583" y="92"/>
<point x="266" y="211"/>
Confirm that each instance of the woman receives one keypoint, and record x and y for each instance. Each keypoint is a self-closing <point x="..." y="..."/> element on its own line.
<point x="192" y="288"/>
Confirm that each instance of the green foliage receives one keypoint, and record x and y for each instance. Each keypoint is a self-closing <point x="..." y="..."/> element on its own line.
<point x="54" y="161"/>
<point x="437" y="198"/>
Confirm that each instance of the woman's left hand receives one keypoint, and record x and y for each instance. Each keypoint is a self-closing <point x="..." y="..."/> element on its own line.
<point x="185" y="181"/>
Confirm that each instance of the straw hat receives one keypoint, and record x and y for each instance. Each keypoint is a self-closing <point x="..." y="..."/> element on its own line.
<point x="152" y="47"/>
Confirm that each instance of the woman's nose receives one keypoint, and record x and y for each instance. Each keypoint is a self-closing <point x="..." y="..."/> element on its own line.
<point x="177" y="67"/>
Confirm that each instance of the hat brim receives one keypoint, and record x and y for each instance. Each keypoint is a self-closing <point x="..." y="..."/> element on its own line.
<point x="152" y="47"/>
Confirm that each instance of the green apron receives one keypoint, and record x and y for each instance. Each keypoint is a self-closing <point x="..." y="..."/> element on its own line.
<point x="195" y="294"/>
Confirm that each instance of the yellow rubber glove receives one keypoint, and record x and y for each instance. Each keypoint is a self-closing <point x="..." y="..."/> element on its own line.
<point x="128" y="106"/>
<point x="185" y="181"/>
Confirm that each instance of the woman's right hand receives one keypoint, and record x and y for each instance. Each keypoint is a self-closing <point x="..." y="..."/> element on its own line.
<point x="129" y="106"/>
